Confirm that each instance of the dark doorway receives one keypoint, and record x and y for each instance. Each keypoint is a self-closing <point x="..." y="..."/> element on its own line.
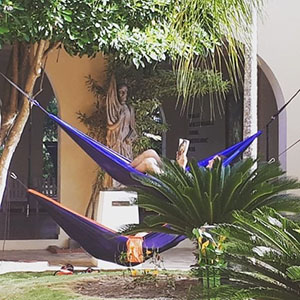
<point x="22" y="218"/>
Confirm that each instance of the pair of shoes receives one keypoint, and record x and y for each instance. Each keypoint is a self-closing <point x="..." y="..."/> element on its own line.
<point x="67" y="269"/>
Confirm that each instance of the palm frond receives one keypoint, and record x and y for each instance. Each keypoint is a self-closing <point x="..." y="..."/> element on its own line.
<point x="294" y="273"/>
<point x="263" y="251"/>
<point x="210" y="31"/>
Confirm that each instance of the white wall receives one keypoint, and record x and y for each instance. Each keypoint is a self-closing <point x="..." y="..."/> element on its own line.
<point x="279" y="48"/>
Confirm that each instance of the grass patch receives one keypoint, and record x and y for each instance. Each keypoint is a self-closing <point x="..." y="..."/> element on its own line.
<point x="45" y="286"/>
<point x="39" y="286"/>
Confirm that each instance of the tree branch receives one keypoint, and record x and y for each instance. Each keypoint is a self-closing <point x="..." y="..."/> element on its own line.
<point x="50" y="48"/>
<point x="13" y="101"/>
<point x="10" y="101"/>
<point x="24" y="66"/>
<point x="38" y="57"/>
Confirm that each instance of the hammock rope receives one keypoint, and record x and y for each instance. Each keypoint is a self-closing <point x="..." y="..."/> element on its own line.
<point x="289" y="147"/>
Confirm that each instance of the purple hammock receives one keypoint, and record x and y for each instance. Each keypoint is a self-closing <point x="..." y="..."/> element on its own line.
<point x="118" y="166"/>
<point x="96" y="239"/>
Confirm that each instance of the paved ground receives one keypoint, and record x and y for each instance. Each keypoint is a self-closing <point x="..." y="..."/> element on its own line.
<point x="177" y="258"/>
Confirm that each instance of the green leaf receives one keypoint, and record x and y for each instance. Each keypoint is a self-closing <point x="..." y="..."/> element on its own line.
<point x="294" y="273"/>
<point x="3" y="30"/>
<point x="67" y="12"/>
<point x="67" y="18"/>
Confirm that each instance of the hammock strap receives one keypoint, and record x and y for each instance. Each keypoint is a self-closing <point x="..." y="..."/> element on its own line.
<point x="33" y="101"/>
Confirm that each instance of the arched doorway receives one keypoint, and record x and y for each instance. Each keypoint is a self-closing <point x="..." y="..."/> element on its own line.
<point x="270" y="89"/>
<point x="267" y="107"/>
<point x="21" y="218"/>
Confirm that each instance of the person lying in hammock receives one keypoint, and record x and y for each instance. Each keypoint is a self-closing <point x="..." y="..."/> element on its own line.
<point x="149" y="160"/>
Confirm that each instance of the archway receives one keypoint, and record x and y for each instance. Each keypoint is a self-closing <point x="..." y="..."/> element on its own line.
<point x="21" y="218"/>
<point x="270" y="90"/>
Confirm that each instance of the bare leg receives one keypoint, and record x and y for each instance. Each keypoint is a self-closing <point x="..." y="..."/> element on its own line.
<point x="146" y="154"/>
<point x="149" y="165"/>
<point x="148" y="161"/>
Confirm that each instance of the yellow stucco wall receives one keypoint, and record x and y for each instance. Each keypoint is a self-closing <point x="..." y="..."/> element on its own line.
<point x="76" y="170"/>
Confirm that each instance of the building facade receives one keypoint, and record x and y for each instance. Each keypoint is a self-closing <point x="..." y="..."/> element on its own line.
<point x="278" y="81"/>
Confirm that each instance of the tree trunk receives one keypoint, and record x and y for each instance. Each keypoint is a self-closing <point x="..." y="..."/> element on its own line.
<point x="10" y="99"/>
<point x="250" y="121"/>
<point x="11" y="143"/>
<point x="24" y="69"/>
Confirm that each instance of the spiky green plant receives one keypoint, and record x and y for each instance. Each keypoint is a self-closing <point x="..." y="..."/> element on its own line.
<point x="188" y="200"/>
<point x="263" y="251"/>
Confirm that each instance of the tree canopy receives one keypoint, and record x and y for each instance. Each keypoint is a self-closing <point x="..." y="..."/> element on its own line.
<point x="136" y="30"/>
<point x="125" y="28"/>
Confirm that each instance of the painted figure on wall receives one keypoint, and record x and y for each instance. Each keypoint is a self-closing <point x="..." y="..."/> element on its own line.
<point x="121" y="131"/>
